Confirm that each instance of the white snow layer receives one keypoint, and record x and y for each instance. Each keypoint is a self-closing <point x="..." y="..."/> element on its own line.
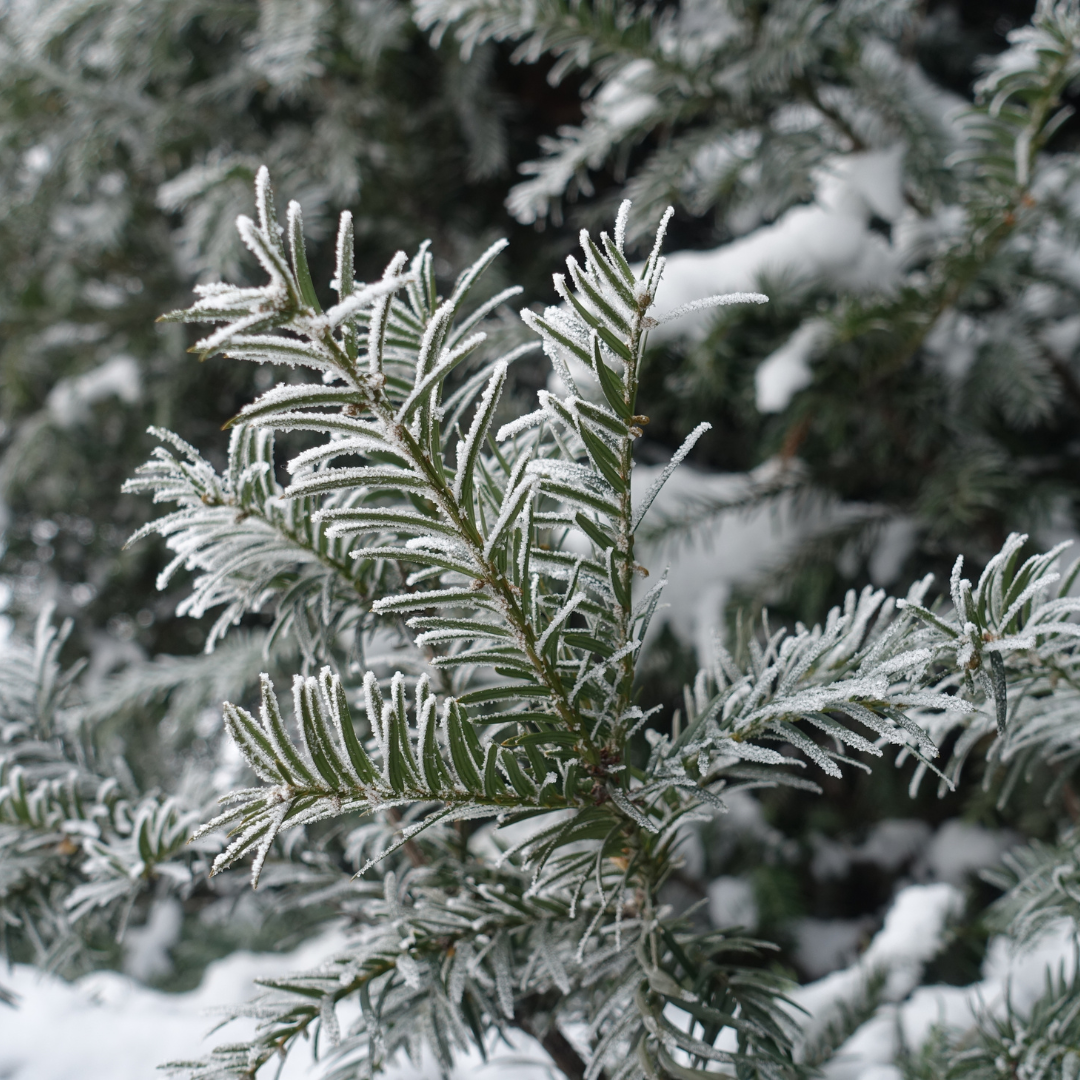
<point x="786" y="371"/>
<point x="146" y="948"/>
<point x="824" y="945"/>
<point x="732" y="903"/>
<point x="912" y="935"/>
<point x="1019" y="975"/>
<point x="69" y="400"/>
<point x="116" y="1029"/>
<point x="953" y="854"/>
<point x="914" y="932"/>
<point x="960" y="850"/>
<point x="704" y="563"/>
<point x="113" y="1028"/>
<point x="828" y="238"/>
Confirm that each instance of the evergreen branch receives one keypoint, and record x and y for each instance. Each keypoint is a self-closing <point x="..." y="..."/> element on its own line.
<point x="507" y="591"/>
<point x="250" y="544"/>
<point x="1036" y="1041"/>
<point x="326" y="771"/>
<point x="1042" y="887"/>
<point x="657" y="72"/>
<point x="77" y="849"/>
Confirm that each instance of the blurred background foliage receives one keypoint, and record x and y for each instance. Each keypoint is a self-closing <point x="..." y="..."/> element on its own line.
<point x="130" y="132"/>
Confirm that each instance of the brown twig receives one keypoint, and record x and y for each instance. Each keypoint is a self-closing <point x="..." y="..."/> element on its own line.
<point x="416" y="856"/>
<point x="1071" y="801"/>
<point x="561" y="1051"/>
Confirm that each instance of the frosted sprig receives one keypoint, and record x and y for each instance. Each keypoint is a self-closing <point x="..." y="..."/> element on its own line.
<point x="502" y="552"/>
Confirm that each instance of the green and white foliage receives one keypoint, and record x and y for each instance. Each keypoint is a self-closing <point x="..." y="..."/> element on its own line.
<point x="504" y="556"/>
<point x="254" y="547"/>
<point x="445" y="963"/>
<point x="1041" y="1041"/>
<point x="131" y="135"/>
<point x="517" y="805"/>
<point x="754" y="96"/>
<point x="77" y="846"/>
<point x="1019" y="632"/>
<point x="735" y="111"/>
<point x="1042" y="887"/>
<point x="89" y="836"/>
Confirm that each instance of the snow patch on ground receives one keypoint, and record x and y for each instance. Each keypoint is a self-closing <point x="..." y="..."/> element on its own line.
<point x="114" y="1028"/>
<point x="146" y="948"/>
